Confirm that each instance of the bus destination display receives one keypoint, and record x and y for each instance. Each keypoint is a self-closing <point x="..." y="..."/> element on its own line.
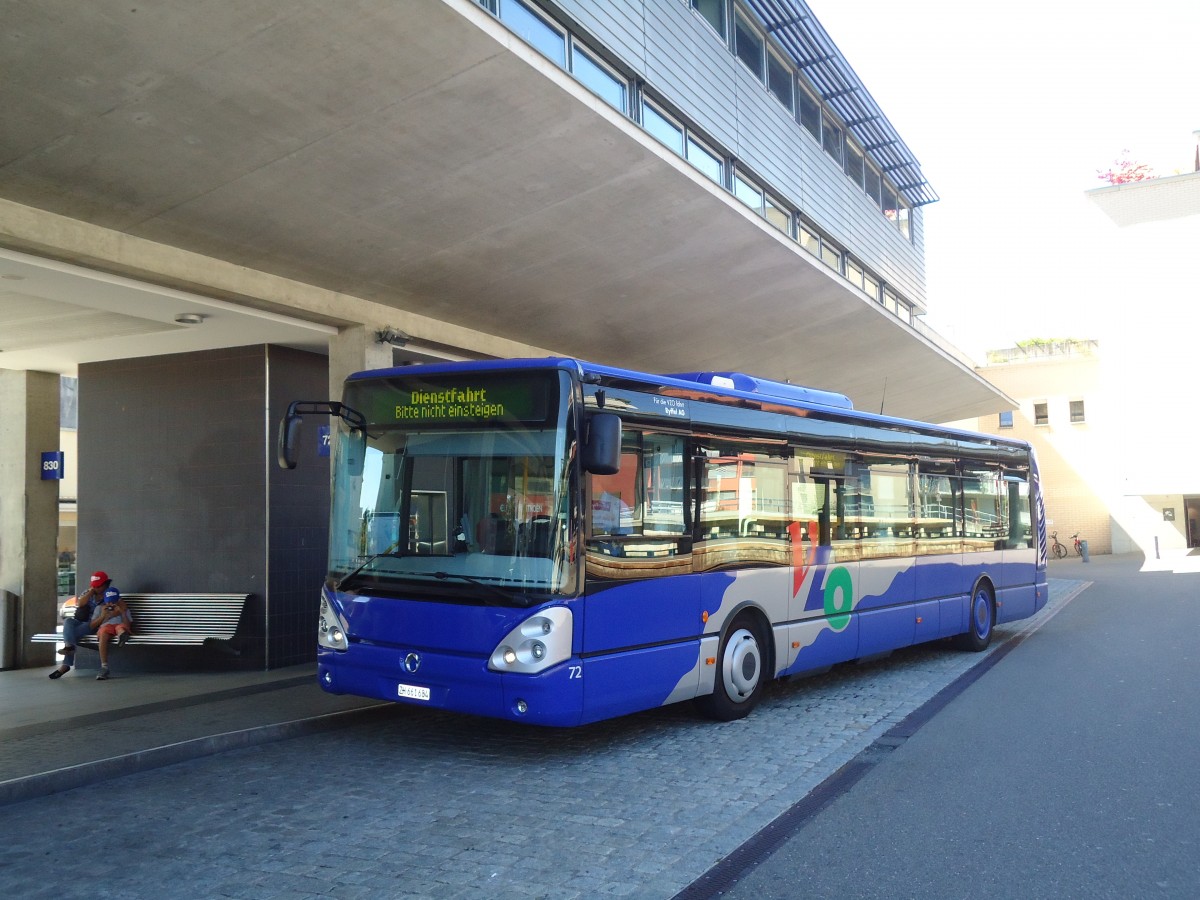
<point x="480" y="401"/>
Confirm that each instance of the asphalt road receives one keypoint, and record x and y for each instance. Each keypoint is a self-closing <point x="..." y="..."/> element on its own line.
<point x="1070" y="769"/>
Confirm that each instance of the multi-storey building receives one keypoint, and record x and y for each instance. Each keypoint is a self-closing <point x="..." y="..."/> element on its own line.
<point x="209" y="209"/>
<point x="1110" y="418"/>
<point x="1061" y="410"/>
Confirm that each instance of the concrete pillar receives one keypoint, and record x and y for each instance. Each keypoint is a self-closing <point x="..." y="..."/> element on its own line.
<point x="29" y="425"/>
<point x="353" y="350"/>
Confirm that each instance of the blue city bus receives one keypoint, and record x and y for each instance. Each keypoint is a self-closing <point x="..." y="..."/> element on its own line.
<point x="556" y="542"/>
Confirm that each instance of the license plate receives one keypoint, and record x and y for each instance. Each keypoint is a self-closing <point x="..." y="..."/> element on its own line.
<point x="412" y="692"/>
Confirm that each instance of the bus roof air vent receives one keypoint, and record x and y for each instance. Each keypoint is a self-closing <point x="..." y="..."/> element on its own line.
<point x="763" y="387"/>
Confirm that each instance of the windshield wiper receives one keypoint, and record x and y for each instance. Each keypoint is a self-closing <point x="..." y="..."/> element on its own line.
<point x="370" y="559"/>
<point x="507" y="596"/>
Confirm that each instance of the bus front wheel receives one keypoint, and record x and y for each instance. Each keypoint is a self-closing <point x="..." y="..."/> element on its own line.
<point x="741" y="675"/>
<point x="983" y="619"/>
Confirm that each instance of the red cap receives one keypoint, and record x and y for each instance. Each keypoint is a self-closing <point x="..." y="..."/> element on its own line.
<point x="99" y="578"/>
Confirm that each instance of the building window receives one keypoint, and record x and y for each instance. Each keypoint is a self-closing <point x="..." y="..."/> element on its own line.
<point x="762" y="203"/>
<point x="889" y="204"/>
<point x="779" y="80"/>
<point x="676" y="137"/>
<point x="831" y="256"/>
<point x="808" y="111"/>
<point x="748" y="193"/>
<point x="778" y="215"/>
<point x="706" y="161"/>
<point x="1041" y="414"/>
<point x="713" y="12"/>
<point x="854" y="164"/>
<point x="871" y="286"/>
<point x="534" y="30"/>
<point x="748" y="45"/>
<point x="592" y="74"/>
<point x="854" y="273"/>
<point x="831" y="138"/>
<point x="1006" y="419"/>
<point x="874" y="184"/>
<point x="1077" y="412"/>
<point x="808" y="240"/>
<point x="662" y="128"/>
<point x="902" y="219"/>
<point x="891" y="302"/>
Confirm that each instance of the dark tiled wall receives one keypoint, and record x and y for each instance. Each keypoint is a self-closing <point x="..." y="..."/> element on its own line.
<point x="175" y="486"/>
<point x="299" y="512"/>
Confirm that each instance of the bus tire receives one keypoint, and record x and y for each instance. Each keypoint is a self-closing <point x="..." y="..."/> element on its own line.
<point x="982" y="620"/>
<point x="741" y="672"/>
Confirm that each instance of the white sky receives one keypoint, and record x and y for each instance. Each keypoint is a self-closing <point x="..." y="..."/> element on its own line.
<point x="1011" y="109"/>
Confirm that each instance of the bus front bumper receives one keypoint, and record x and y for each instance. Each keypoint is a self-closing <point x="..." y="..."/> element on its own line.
<point x="450" y="682"/>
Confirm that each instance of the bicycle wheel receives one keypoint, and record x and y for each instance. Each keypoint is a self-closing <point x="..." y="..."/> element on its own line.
<point x="1060" y="550"/>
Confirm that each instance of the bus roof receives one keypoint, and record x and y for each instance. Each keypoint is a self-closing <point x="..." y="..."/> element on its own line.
<point x="779" y="395"/>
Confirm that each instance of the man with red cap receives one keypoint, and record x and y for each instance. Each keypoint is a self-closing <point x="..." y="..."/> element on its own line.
<point x="86" y="620"/>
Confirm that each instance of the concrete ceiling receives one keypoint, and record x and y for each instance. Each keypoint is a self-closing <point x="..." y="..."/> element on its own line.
<point x="417" y="156"/>
<point x="54" y="316"/>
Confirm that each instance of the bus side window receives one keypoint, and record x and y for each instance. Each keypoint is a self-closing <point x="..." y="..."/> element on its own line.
<point x="744" y="502"/>
<point x="985" y="508"/>
<point x="881" y="507"/>
<point x="939" y="522"/>
<point x="615" y="498"/>
<point x="639" y="513"/>
<point x="818" y="489"/>
<point x="1020" y="524"/>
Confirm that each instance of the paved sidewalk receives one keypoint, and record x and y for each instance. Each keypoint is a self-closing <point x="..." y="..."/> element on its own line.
<point x="60" y="734"/>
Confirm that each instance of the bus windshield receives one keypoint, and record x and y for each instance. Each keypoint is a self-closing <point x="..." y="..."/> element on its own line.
<point x="461" y="492"/>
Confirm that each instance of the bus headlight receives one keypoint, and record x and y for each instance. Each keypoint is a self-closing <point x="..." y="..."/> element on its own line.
<point x="541" y="641"/>
<point x="331" y="630"/>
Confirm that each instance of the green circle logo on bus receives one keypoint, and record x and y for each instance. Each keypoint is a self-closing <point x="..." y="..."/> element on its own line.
<point x="838" y="611"/>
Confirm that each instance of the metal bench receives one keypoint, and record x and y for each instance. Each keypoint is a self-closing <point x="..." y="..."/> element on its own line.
<point x="178" y="620"/>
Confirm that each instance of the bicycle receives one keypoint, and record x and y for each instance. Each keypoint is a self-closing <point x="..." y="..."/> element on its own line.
<point x="1078" y="544"/>
<point x="1058" y="549"/>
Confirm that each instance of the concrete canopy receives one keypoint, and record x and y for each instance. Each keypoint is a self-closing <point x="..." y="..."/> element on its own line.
<point x="413" y="158"/>
<point x="1151" y="200"/>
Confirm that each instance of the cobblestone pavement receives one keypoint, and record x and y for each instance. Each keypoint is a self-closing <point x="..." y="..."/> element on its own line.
<point x="413" y="803"/>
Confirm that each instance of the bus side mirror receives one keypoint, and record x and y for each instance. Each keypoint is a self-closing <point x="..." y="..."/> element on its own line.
<point x="602" y="450"/>
<point x="285" y="447"/>
<point x="289" y="428"/>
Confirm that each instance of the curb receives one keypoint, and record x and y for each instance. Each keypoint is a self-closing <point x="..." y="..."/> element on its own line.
<point x="16" y="790"/>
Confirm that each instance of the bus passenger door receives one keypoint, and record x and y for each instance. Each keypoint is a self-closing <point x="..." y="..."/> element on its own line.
<point x="985" y="526"/>
<point x="742" y="546"/>
<point x="939" y="585"/>
<point x="642" y="606"/>
<point x="1020" y="550"/>
<point x="824" y="571"/>
<point x="884" y="525"/>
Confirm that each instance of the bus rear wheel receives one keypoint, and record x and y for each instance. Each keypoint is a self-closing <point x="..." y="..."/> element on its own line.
<point x="983" y="620"/>
<point x="741" y="674"/>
